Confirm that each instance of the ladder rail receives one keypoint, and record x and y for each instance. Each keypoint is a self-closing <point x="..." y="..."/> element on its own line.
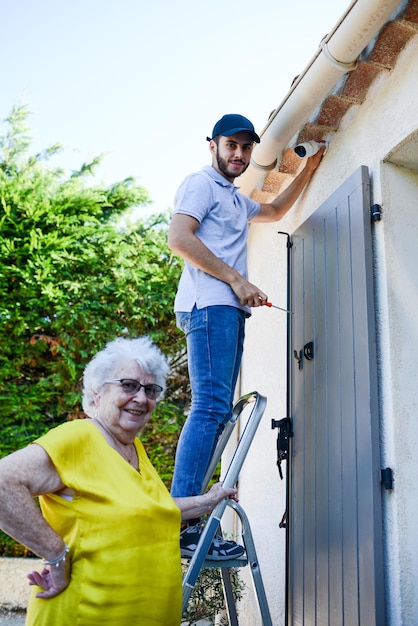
<point x="246" y="438"/>
<point x="221" y="445"/>
<point x="253" y="564"/>
<point x="229" y="596"/>
<point x="198" y="561"/>
<point x="226" y="433"/>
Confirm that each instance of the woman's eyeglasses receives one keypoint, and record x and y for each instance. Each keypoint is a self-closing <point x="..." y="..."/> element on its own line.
<point x="131" y="387"/>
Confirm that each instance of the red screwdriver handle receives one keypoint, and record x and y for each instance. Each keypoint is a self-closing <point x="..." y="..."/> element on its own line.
<point x="266" y="303"/>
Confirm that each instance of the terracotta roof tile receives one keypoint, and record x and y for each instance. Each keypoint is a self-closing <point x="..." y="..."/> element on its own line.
<point x="333" y="109"/>
<point x="359" y="81"/>
<point x="315" y="132"/>
<point x="411" y="13"/>
<point x="391" y="41"/>
<point x="274" y="180"/>
<point x="261" y="196"/>
<point x="290" y="162"/>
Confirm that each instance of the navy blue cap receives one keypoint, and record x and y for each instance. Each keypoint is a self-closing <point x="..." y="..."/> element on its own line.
<point x="231" y="124"/>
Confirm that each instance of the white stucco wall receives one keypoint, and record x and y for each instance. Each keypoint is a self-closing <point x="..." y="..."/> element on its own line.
<point x="261" y="491"/>
<point x="399" y="416"/>
<point x="367" y="135"/>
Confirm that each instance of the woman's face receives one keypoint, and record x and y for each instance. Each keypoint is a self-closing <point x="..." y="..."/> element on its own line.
<point x="122" y="409"/>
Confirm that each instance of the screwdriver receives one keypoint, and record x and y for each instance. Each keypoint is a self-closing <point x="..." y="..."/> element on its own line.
<point x="269" y="304"/>
<point x="278" y="307"/>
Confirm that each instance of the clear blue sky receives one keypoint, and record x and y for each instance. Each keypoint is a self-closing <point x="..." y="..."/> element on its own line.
<point x="144" y="81"/>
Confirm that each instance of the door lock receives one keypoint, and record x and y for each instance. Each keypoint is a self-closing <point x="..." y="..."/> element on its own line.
<point x="307" y="352"/>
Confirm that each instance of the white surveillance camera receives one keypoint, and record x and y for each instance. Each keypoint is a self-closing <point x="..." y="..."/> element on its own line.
<point x="308" y="148"/>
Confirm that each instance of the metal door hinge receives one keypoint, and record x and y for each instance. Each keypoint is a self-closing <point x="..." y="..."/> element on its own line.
<point x="376" y="212"/>
<point x="386" y="477"/>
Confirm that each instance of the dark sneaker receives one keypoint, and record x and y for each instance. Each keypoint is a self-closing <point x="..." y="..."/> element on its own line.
<point x="220" y="549"/>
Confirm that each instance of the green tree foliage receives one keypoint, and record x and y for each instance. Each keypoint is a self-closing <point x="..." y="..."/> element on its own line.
<point x="76" y="270"/>
<point x="207" y="598"/>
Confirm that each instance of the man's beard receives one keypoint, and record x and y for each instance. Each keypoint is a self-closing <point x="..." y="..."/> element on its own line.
<point x="223" y="167"/>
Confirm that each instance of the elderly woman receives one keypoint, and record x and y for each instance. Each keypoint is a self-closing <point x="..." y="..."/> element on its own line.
<point x="108" y="530"/>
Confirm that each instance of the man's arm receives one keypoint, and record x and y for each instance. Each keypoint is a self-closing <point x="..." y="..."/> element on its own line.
<point x="276" y="209"/>
<point x="183" y="241"/>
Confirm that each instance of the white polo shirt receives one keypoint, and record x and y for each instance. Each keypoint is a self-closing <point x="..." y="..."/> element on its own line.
<point x="223" y="215"/>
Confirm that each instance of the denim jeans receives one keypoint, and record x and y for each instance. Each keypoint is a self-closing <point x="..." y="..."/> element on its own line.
<point x="215" y="338"/>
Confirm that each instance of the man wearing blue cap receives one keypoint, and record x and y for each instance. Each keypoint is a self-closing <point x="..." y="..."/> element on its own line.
<point x="209" y="231"/>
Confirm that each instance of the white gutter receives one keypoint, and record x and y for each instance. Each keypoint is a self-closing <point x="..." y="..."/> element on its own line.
<point x="337" y="55"/>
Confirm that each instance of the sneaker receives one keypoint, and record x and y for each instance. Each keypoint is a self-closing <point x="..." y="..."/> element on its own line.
<point x="219" y="550"/>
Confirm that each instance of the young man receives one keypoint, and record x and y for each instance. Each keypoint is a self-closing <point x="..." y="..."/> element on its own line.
<point x="209" y="231"/>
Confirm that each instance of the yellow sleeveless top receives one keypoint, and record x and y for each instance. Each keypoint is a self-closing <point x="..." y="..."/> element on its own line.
<point x="122" y="528"/>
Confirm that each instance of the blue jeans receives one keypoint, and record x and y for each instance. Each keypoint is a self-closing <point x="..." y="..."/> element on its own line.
<point x="215" y="338"/>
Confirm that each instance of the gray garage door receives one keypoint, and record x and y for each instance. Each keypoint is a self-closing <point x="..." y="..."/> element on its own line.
<point x="334" y="520"/>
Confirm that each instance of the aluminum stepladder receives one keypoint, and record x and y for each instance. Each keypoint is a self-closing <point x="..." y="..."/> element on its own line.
<point x="211" y="528"/>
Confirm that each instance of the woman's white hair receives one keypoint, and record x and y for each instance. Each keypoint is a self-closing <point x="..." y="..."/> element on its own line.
<point x="105" y="364"/>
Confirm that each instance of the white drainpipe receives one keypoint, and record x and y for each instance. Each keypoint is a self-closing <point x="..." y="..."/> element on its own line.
<point x="338" y="54"/>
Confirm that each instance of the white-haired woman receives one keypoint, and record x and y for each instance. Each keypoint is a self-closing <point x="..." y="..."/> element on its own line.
<point x="108" y="530"/>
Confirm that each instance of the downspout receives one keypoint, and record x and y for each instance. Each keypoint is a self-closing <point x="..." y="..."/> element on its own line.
<point x="338" y="53"/>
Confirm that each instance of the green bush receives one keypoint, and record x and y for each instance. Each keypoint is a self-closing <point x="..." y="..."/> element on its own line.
<point x="207" y="599"/>
<point x="79" y="266"/>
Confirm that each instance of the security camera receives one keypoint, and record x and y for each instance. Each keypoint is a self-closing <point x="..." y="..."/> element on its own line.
<point x="308" y="148"/>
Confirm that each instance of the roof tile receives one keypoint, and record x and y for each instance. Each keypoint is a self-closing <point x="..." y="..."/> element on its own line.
<point x="359" y="81"/>
<point x="333" y="109"/>
<point x="411" y="13"/>
<point x="390" y="42"/>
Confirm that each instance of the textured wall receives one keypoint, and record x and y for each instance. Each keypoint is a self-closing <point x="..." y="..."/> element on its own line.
<point x="368" y="133"/>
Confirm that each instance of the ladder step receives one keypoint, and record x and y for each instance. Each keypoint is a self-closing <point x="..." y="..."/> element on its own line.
<point x="242" y="561"/>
